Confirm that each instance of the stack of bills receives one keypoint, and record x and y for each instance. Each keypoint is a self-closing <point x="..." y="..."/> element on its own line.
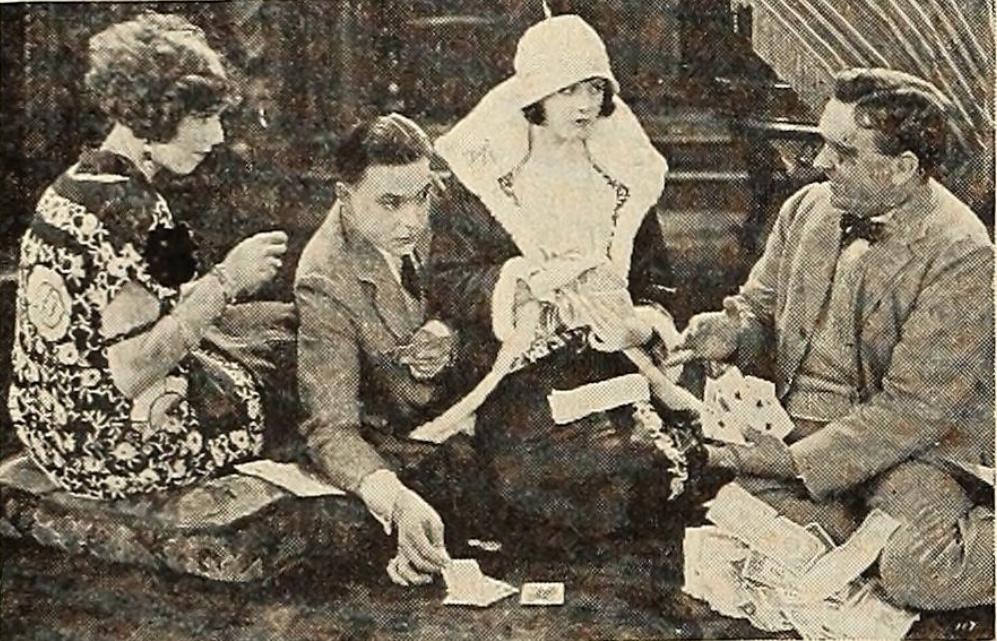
<point x="781" y="576"/>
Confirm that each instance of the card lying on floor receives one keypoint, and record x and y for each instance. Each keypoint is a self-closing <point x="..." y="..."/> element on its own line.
<point x="466" y="585"/>
<point x="541" y="593"/>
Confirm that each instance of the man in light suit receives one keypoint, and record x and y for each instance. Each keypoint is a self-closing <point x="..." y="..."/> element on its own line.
<point x="368" y="362"/>
<point x="875" y="295"/>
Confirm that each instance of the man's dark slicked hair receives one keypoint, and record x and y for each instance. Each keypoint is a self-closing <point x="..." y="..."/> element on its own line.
<point x="907" y="113"/>
<point x="385" y="140"/>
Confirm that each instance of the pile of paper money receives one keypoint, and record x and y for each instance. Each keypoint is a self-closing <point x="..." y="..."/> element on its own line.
<point x="781" y="576"/>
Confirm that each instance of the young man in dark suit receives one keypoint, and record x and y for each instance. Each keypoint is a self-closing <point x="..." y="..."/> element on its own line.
<point x="369" y="362"/>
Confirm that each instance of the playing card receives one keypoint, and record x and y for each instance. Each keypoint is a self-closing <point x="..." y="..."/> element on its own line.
<point x="846" y="562"/>
<point x="717" y="421"/>
<point x="817" y="530"/>
<point x="736" y="401"/>
<point x="542" y="594"/>
<point x="466" y="585"/>
<point x="462" y="576"/>
<point x="763" y="570"/>
<point x="758" y="524"/>
<point x="758" y="405"/>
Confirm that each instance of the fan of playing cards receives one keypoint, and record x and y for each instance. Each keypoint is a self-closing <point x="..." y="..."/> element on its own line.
<point x="733" y="402"/>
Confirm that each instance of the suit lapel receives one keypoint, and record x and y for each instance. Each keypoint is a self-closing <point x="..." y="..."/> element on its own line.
<point x="397" y="310"/>
<point x="886" y="261"/>
<point x="819" y="252"/>
<point x="810" y="287"/>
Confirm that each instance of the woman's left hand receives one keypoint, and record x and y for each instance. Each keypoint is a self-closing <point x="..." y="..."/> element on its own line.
<point x="615" y="328"/>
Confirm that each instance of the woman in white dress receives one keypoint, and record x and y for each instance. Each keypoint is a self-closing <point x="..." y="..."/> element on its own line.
<point x="543" y="239"/>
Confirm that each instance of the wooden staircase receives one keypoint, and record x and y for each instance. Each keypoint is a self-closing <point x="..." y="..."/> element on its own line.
<point x="706" y="203"/>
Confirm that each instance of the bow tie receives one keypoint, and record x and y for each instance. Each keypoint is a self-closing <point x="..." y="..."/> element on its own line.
<point x="854" y="227"/>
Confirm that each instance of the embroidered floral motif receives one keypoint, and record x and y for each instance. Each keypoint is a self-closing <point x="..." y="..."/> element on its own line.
<point x="649" y="428"/>
<point x="48" y="303"/>
<point x="72" y="418"/>
<point x="505" y="184"/>
<point x="622" y="196"/>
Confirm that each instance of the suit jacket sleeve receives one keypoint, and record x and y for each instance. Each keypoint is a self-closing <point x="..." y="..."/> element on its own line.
<point x="329" y="386"/>
<point x="471" y="256"/>
<point x="758" y="296"/>
<point x="940" y="376"/>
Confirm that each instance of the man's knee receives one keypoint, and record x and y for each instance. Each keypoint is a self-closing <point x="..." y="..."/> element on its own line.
<point x="941" y="570"/>
<point x="790" y="499"/>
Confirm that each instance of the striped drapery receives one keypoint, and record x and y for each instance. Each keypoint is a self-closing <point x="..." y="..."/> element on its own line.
<point x="949" y="42"/>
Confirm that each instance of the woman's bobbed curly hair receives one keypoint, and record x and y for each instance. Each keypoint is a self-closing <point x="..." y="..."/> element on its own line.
<point x="152" y="71"/>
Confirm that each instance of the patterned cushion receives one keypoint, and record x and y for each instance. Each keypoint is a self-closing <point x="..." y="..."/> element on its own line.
<point x="234" y="528"/>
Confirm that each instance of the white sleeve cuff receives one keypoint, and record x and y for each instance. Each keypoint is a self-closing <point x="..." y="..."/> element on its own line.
<point x="504" y="297"/>
<point x="662" y="322"/>
<point x="379" y="491"/>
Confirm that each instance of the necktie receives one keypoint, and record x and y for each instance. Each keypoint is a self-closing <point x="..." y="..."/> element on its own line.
<point x="854" y="227"/>
<point x="411" y="277"/>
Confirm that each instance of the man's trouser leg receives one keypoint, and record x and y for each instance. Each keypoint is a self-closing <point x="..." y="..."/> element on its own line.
<point x="942" y="556"/>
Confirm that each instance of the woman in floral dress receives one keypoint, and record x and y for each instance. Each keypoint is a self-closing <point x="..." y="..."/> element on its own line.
<point x="114" y="391"/>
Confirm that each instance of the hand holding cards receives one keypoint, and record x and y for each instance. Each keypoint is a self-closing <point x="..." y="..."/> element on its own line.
<point x="429" y="352"/>
<point x="734" y="403"/>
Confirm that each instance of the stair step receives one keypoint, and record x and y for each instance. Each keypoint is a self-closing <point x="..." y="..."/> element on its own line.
<point x="683" y="193"/>
<point x="697" y="226"/>
<point x="705" y="156"/>
<point x="686" y="175"/>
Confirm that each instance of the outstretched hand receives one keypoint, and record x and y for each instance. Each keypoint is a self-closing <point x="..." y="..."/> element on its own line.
<point x="421" y="548"/>
<point x="711" y="336"/>
<point x="615" y="328"/>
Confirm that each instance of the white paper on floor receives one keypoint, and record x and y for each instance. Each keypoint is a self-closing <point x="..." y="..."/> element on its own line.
<point x="567" y="406"/>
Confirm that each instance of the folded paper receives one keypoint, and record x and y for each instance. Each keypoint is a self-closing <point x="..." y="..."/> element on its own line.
<point x="571" y="405"/>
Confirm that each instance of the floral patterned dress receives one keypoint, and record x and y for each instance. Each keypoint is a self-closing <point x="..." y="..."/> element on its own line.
<point x="99" y="227"/>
